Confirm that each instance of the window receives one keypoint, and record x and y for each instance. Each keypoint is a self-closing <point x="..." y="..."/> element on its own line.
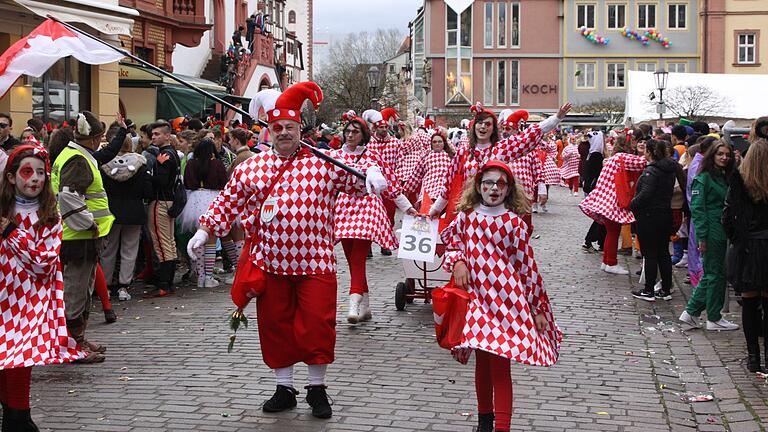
<point x="488" y="83"/>
<point x="292" y="17"/>
<point x="458" y="81"/>
<point x="676" y="67"/>
<point x="515" y="28"/>
<point x="615" y="75"/>
<point x="747" y="48"/>
<point x="646" y="16"/>
<point x="585" y="15"/>
<point x="646" y="67"/>
<point x="502" y="24"/>
<point x="418" y="58"/>
<point x="452" y="27"/>
<point x="392" y="69"/>
<point x="677" y="16"/>
<point x="514" y="82"/>
<point x="63" y="91"/>
<point x="146" y="54"/>
<point x="501" y="83"/>
<point x="488" y="30"/>
<point x="458" y="72"/>
<point x="585" y="75"/>
<point x="466" y="28"/>
<point x="617" y="16"/>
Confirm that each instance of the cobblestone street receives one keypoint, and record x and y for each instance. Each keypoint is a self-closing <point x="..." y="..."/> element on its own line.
<point x="623" y="363"/>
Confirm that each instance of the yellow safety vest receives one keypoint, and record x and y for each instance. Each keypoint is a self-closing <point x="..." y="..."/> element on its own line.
<point x="95" y="195"/>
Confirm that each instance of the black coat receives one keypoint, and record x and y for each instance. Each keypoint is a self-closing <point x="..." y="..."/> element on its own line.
<point x="126" y="197"/>
<point x="654" y="189"/>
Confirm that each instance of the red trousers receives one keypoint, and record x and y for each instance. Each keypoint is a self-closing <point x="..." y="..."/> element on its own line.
<point x="528" y="219"/>
<point x="493" y="385"/>
<point x="356" y="251"/>
<point x="100" y="285"/>
<point x="573" y="183"/>
<point x="297" y="319"/>
<point x="14" y="387"/>
<point x="391" y="209"/>
<point x="611" y="244"/>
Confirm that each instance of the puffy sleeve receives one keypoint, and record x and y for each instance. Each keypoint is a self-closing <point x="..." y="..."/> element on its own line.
<point x="526" y="268"/>
<point x="634" y="162"/>
<point x="518" y="145"/>
<point x="413" y="181"/>
<point x="231" y="201"/>
<point x="453" y="239"/>
<point x="36" y="249"/>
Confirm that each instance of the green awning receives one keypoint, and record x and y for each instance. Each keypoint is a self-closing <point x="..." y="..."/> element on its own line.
<point x="176" y="101"/>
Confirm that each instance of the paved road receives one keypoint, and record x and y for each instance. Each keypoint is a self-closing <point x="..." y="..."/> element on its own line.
<point x="623" y="364"/>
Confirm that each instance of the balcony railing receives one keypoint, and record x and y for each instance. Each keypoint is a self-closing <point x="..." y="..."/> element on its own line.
<point x="185" y="7"/>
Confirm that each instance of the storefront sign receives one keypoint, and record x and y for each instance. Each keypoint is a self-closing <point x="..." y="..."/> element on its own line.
<point x="539" y="89"/>
<point x="136" y="73"/>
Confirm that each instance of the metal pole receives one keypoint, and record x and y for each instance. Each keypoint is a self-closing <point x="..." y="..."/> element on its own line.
<point x="661" y="104"/>
<point x="165" y="73"/>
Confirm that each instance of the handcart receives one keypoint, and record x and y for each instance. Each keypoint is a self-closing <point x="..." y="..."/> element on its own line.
<point x="421" y="278"/>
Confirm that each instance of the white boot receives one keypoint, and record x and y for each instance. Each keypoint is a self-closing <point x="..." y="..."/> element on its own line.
<point x="365" y="308"/>
<point x="535" y="207"/>
<point x="683" y="261"/>
<point x="354" y="308"/>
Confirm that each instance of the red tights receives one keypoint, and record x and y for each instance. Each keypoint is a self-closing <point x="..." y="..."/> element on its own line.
<point x="14" y="387"/>
<point x="611" y="244"/>
<point x="356" y="251"/>
<point x="493" y="385"/>
<point x="573" y="183"/>
<point x="100" y="286"/>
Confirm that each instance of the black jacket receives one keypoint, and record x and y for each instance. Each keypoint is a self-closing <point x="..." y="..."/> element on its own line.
<point x="654" y="188"/>
<point x="164" y="173"/>
<point x="10" y="144"/>
<point x="127" y="188"/>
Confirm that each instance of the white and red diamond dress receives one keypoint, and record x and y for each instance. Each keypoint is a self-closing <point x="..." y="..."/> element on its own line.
<point x="427" y="176"/>
<point x="34" y="327"/>
<point x="548" y="155"/>
<point x="505" y="287"/>
<point x="571" y="158"/>
<point x="412" y="151"/>
<point x="602" y="203"/>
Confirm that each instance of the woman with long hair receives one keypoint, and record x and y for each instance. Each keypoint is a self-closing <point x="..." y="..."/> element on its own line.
<point x="484" y="145"/>
<point x="426" y="177"/>
<point x="696" y="154"/>
<point x="602" y="203"/>
<point x="361" y="220"/>
<point x="569" y="170"/>
<point x="745" y="220"/>
<point x="707" y="203"/>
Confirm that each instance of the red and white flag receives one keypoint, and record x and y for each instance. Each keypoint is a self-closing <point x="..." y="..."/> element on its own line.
<point x="44" y="46"/>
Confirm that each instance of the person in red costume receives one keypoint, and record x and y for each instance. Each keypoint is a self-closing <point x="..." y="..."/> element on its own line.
<point x="284" y="200"/>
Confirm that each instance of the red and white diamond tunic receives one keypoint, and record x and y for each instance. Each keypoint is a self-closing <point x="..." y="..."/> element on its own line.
<point x="364" y="216"/>
<point x="34" y="327"/>
<point x="505" y="287"/>
<point x="550" y="173"/>
<point x="571" y="157"/>
<point x="601" y="203"/>
<point x="388" y="149"/>
<point x="412" y="151"/>
<point x="427" y="175"/>
<point x="527" y="171"/>
<point x="298" y="239"/>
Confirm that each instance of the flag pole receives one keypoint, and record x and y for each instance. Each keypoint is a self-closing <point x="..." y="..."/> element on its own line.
<point x="192" y="87"/>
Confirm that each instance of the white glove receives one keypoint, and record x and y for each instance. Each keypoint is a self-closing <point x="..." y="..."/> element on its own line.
<point x="196" y="243"/>
<point x="437" y="207"/>
<point x="374" y="180"/>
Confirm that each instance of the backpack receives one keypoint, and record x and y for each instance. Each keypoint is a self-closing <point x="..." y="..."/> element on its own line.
<point x="179" y="192"/>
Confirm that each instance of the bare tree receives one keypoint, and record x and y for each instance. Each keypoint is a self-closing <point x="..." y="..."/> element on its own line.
<point x="612" y="109"/>
<point x="696" y="102"/>
<point x="343" y="77"/>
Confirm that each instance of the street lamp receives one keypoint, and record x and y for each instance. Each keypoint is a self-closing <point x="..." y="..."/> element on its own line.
<point x="373" y="82"/>
<point x="661" y="84"/>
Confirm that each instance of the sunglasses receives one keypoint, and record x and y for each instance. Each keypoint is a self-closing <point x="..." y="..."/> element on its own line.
<point x="4" y="125"/>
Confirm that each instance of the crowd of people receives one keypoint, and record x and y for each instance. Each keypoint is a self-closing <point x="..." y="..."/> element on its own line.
<point x="113" y="204"/>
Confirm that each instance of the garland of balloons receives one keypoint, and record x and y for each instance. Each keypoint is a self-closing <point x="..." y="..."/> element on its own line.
<point x="646" y="38"/>
<point x="631" y="34"/>
<point x="653" y="34"/>
<point x="593" y="37"/>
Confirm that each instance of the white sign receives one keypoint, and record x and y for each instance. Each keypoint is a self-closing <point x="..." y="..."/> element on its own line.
<point x="458" y="6"/>
<point x="418" y="239"/>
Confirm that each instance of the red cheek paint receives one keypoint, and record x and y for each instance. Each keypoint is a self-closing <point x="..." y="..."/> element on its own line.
<point x="486" y="189"/>
<point x="26" y="171"/>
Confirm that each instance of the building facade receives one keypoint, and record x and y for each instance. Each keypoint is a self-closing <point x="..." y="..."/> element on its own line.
<point x="734" y="36"/>
<point x="594" y="71"/>
<point x="493" y="52"/>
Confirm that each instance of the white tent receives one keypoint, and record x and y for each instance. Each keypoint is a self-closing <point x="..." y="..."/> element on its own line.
<point x="746" y="95"/>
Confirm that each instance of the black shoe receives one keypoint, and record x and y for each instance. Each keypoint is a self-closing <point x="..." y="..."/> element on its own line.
<point x="639" y="272"/>
<point x="370" y="254"/>
<point x="588" y="248"/>
<point x="110" y="316"/>
<point x="283" y="399"/>
<point x="663" y="295"/>
<point x="386" y="252"/>
<point x="485" y="422"/>
<point x="317" y="398"/>
<point x="18" y="420"/>
<point x="753" y="361"/>
<point x="644" y="295"/>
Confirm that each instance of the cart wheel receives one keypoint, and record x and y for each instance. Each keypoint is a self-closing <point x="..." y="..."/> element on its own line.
<point x="400" y="296"/>
<point x="410" y="286"/>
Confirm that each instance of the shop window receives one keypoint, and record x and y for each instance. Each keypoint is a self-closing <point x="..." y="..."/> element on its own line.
<point x="63" y="91"/>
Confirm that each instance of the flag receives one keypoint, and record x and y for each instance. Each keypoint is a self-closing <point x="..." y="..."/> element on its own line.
<point x="44" y="46"/>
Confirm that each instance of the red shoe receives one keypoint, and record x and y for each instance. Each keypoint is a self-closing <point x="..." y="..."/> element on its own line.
<point x="158" y="293"/>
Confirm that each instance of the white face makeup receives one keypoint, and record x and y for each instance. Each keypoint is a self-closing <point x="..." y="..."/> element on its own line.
<point x="29" y="178"/>
<point x="494" y="187"/>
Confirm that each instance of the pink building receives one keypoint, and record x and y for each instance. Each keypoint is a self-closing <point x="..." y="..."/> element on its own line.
<point x="504" y="54"/>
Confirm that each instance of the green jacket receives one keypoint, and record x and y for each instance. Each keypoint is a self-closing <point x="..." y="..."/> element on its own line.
<point x="707" y="203"/>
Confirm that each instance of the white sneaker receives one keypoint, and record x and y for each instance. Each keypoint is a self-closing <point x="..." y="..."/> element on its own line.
<point x="122" y="294"/>
<point x="615" y="269"/>
<point x="575" y="194"/>
<point x="535" y="208"/>
<point x="602" y="266"/>
<point x="722" y="325"/>
<point x="657" y="288"/>
<point x="689" y="319"/>
<point x="208" y="282"/>
<point x="544" y="208"/>
<point x="353" y="316"/>
<point x="683" y="261"/>
<point x="365" y="308"/>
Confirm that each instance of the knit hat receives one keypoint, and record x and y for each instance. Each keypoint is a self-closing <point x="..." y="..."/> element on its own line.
<point x="286" y="105"/>
<point x="88" y="126"/>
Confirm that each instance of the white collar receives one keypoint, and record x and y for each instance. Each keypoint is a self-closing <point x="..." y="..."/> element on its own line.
<point x="358" y="150"/>
<point x="491" y="211"/>
<point x="483" y="146"/>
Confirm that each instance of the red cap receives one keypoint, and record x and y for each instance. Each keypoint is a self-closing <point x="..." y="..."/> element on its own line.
<point x="286" y="105"/>
<point x="495" y="164"/>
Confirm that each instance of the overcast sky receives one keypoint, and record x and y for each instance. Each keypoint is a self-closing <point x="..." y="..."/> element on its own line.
<point x="353" y="16"/>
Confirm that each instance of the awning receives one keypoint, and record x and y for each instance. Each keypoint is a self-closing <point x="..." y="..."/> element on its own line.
<point x="177" y="101"/>
<point x="104" y="17"/>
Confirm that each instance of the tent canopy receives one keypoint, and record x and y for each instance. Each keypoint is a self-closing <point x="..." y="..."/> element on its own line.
<point x="744" y="95"/>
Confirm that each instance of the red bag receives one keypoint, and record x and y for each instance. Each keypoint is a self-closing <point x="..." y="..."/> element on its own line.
<point x="626" y="185"/>
<point x="454" y="194"/>
<point x="250" y="281"/>
<point x="449" y="307"/>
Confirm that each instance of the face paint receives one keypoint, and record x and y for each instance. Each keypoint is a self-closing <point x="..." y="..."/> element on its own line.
<point x="30" y="177"/>
<point x="494" y="187"/>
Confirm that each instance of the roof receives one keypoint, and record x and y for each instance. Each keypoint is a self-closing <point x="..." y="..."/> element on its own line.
<point x="405" y="46"/>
